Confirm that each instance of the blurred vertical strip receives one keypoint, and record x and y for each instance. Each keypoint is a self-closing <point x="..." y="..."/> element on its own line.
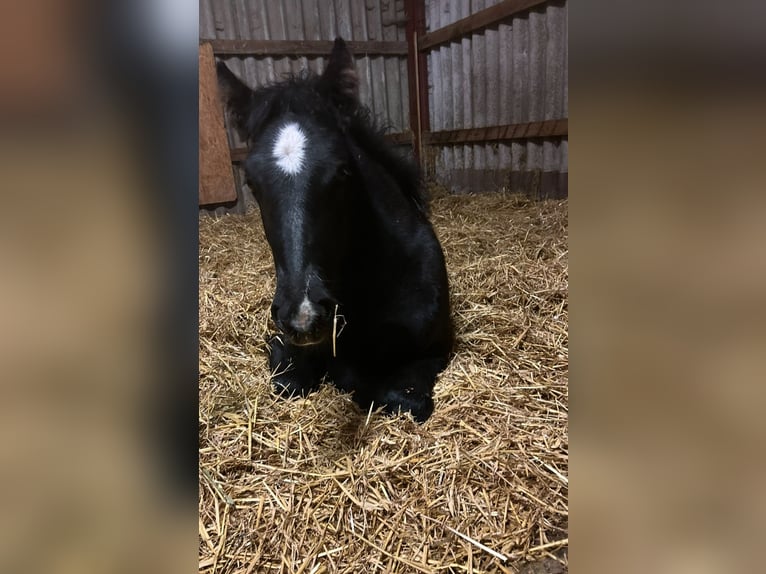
<point x="667" y="286"/>
<point x="98" y="296"/>
<point x="151" y="63"/>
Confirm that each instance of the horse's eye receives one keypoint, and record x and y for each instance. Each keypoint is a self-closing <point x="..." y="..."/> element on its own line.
<point x="255" y="188"/>
<point x="343" y="172"/>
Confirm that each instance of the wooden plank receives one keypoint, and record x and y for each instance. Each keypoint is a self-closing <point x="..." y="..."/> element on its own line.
<point x="216" y="180"/>
<point x="548" y="128"/>
<point x="474" y="22"/>
<point x="401" y="138"/>
<point x="302" y="47"/>
<point x="239" y="154"/>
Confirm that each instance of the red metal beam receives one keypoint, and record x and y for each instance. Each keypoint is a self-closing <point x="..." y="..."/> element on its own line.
<point x="417" y="73"/>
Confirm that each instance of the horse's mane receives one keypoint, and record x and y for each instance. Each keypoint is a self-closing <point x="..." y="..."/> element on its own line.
<point x="302" y="93"/>
<point x="371" y="137"/>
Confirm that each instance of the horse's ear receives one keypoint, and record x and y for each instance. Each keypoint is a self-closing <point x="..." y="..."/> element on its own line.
<point x="340" y="77"/>
<point x="236" y="96"/>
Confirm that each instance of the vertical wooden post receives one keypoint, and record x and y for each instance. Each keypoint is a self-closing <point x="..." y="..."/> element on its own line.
<point x="216" y="178"/>
<point x="417" y="74"/>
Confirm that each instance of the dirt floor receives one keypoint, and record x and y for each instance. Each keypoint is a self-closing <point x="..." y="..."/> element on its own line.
<point x="314" y="485"/>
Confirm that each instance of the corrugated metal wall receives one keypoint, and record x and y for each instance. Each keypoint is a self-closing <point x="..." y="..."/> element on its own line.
<point x="514" y="72"/>
<point x="383" y="79"/>
<point x="509" y="73"/>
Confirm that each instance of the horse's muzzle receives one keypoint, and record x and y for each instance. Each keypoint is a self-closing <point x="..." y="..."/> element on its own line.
<point x="307" y="323"/>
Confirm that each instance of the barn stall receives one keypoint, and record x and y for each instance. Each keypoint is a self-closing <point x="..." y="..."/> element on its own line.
<point x="477" y="92"/>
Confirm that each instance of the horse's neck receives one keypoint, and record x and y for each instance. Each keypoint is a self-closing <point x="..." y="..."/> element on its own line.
<point x="384" y="202"/>
<point x="382" y="192"/>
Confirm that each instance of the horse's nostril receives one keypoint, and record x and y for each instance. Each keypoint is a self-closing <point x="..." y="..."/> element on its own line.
<point x="280" y="316"/>
<point x="327" y="304"/>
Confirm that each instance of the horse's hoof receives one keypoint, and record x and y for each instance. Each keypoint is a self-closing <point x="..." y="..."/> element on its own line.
<point x="289" y="387"/>
<point x="420" y="405"/>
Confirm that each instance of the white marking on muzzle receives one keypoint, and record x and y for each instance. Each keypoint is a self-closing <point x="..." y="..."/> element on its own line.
<point x="306" y="315"/>
<point x="290" y="148"/>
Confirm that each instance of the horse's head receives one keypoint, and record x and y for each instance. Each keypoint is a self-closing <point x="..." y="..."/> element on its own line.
<point x="299" y="167"/>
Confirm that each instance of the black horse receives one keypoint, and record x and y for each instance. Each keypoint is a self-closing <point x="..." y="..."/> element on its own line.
<point x="362" y="290"/>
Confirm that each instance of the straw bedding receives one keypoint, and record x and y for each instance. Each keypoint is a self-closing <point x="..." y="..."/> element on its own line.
<point x="314" y="485"/>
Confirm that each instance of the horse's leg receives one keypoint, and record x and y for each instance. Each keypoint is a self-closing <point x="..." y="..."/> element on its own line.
<point x="296" y="371"/>
<point x="407" y="388"/>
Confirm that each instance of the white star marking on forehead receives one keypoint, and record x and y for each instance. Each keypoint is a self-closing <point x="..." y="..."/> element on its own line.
<point x="290" y="148"/>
